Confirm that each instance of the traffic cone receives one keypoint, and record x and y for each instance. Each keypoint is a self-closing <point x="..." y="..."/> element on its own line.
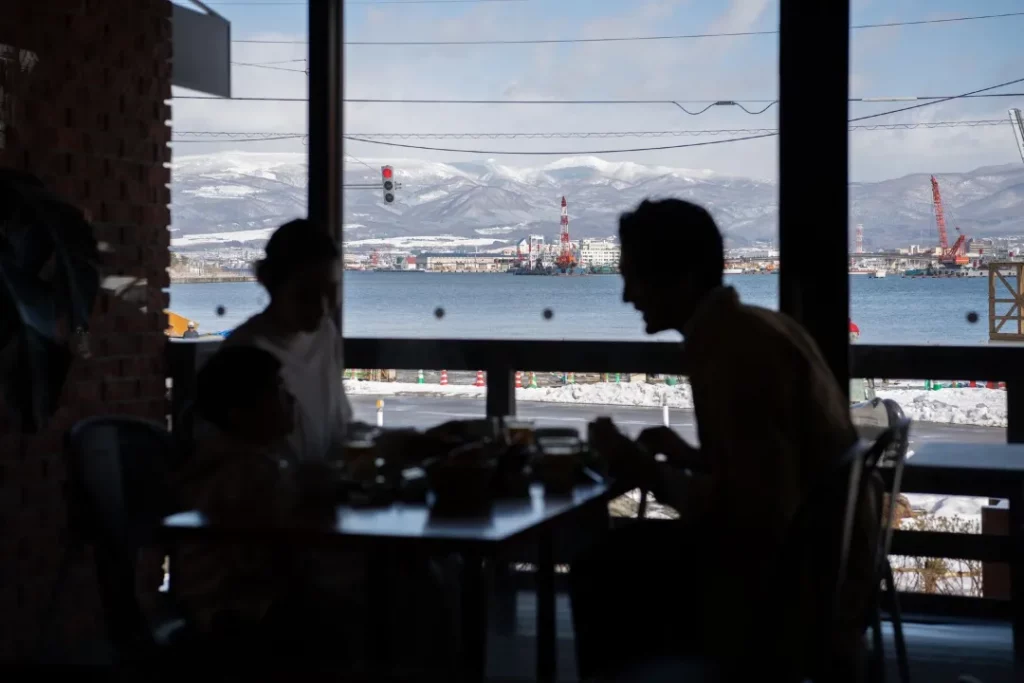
<point x="479" y="379"/>
<point x="990" y="385"/>
<point x="419" y="378"/>
<point x="533" y="380"/>
<point x="444" y="378"/>
<point x="973" y="384"/>
<point x="519" y="379"/>
<point x="1002" y="385"/>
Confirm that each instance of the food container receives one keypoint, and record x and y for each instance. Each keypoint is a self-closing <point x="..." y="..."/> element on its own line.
<point x="359" y="458"/>
<point x="559" y="470"/>
<point x="462" y="481"/>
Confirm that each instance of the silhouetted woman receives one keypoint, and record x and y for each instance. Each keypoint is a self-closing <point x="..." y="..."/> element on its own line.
<point x="301" y="274"/>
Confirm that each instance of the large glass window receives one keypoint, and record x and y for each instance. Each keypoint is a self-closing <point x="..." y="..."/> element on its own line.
<point x="517" y="139"/>
<point x="239" y="168"/>
<point x="934" y="167"/>
<point x="520" y="131"/>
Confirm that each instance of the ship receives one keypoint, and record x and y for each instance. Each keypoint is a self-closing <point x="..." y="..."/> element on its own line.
<point x="877" y="274"/>
<point x="732" y="271"/>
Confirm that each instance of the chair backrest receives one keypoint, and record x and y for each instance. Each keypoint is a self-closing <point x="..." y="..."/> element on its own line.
<point x="119" y="490"/>
<point x="894" y="458"/>
<point x="821" y="535"/>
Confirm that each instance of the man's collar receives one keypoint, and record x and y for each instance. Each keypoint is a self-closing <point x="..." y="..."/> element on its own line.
<point x="715" y="300"/>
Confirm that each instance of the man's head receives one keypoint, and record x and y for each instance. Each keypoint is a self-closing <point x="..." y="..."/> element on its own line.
<point x="191" y="325"/>
<point x="672" y="256"/>
<point x="241" y="392"/>
<point x="300" y="272"/>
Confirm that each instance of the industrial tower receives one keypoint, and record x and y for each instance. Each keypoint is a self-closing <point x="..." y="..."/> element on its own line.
<point x="1018" y="130"/>
<point x="565" y="260"/>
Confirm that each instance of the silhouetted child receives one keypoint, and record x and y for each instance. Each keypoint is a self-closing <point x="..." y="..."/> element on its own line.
<point x="238" y="478"/>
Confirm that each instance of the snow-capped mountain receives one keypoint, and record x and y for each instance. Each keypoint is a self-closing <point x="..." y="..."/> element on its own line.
<point x="250" y="193"/>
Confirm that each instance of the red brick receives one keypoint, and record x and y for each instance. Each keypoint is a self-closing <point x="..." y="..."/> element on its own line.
<point x="92" y="127"/>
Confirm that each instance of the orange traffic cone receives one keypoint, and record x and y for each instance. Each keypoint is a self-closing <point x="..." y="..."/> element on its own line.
<point x="479" y="379"/>
<point x="444" y="378"/>
<point x="519" y="379"/>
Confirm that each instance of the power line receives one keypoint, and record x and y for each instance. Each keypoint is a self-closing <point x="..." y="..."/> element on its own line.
<point x="560" y="153"/>
<point x="938" y="101"/>
<point x="259" y="66"/>
<point x="358" y="160"/>
<point x="667" y="147"/>
<point x="581" y="102"/>
<point x="364" y="2"/>
<point x="624" y="39"/>
<point x="214" y="136"/>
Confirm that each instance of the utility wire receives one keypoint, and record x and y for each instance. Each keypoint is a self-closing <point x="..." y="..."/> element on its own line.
<point x="560" y="153"/>
<point x="358" y="160"/>
<point x="269" y="66"/>
<point x="938" y="101"/>
<point x="624" y="39"/>
<point x="722" y="103"/>
<point x="574" y="102"/>
<point x="667" y="147"/>
<point x="364" y="2"/>
<point x="216" y="136"/>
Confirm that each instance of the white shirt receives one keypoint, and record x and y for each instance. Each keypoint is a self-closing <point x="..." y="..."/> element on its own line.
<point x="311" y="367"/>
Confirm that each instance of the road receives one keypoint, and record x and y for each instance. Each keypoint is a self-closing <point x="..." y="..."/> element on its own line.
<point x="421" y="412"/>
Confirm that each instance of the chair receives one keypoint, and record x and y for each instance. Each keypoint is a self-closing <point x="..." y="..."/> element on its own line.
<point x="893" y="458"/>
<point x="822" y="533"/>
<point x="117" y="493"/>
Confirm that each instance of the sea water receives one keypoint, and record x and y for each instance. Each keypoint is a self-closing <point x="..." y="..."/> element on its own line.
<point x="892" y="310"/>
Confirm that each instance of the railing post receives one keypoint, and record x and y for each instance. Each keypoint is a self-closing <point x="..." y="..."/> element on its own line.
<point x="501" y="393"/>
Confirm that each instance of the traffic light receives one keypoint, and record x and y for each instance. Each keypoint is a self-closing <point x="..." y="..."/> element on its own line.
<point x="388" y="178"/>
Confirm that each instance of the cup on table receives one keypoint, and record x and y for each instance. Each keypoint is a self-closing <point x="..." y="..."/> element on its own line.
<point x="558" y="469"/>
<point x="520" y="433"/>
<point x="360" y="459"/>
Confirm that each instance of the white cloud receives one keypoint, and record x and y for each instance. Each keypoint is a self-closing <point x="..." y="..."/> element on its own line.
<point x="739" y="67"/>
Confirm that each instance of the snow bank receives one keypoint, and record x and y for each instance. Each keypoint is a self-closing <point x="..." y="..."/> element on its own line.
<point x="981" y="407"/>
<point x="639" y="394"/>
<point x="361" y="387"/>
<point x="947" y="506"/>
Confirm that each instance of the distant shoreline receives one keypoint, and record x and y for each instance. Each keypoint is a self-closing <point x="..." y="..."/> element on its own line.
<point x="211" y="279"/>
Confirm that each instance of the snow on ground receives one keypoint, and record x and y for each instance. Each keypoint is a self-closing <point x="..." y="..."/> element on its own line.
<point x="426" y="242"/>
<point x="946" y="506"/>
<point x="981" y="407"/>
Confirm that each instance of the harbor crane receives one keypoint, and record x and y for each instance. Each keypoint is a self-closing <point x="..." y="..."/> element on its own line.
<point x="950" y="256"/>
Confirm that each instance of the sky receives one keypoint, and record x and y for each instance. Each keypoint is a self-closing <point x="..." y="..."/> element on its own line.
<point x="936" y="59"/>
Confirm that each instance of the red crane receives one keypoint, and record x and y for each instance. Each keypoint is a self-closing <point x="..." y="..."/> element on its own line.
<point x="950" y="255"/>
<point x="565" y="260"/>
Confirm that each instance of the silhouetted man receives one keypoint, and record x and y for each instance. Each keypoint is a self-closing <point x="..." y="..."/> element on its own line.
<point x="191" y="332"/>
<point x="771" y="419"/>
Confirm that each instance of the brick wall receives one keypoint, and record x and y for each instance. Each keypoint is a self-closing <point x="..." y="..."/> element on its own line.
<point x="90" y="121"/>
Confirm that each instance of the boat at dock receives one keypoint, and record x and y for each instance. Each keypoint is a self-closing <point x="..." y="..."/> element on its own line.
<point x="877" y="274"/>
